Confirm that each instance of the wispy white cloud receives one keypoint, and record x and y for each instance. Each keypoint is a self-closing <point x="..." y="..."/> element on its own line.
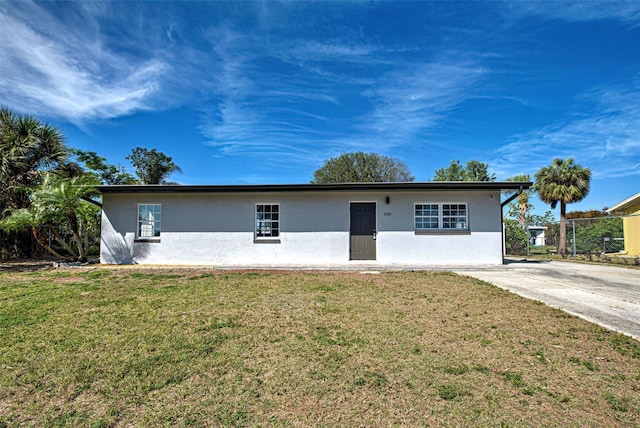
<point x="50" y="67"/>
<point x="604" y="135"/>
<point x="337" y="50"/>
<point x="283" y="82"/>
<point x="305" y="98"/>
<point x="311" y="103"/>
<point x="410" y="100"/>
<point x="579" y="11"/>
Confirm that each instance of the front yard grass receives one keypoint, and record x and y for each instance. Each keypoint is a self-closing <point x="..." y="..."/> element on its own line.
<point x="153" y="347"/>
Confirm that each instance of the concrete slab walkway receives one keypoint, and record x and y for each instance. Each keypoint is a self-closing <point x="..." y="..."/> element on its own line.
<point x="605" y="295"/>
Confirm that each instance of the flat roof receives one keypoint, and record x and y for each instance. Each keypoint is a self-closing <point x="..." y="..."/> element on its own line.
<point x="339" y="187"/>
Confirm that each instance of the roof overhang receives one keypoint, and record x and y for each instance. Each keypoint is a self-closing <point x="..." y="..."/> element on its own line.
<point x="620" y="206"/>
<point x="531" y="227"/>
<point x="91" y="201"/>
<point x="522" y="186"/>
<point x="506" y="186"/>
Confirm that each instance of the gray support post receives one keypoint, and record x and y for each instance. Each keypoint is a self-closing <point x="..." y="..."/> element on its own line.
<point x="573" y="223"/>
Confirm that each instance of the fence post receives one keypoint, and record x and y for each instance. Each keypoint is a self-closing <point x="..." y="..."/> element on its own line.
<point x="573" y="224"/>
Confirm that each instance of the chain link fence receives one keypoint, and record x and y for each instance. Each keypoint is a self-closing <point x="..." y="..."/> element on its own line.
<point x="22" y="244"/>
<point x="592" y="239"/>
<point x="15" y="245"/>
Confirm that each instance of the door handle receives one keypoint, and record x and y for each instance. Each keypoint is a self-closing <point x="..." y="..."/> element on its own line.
<point x="374" y="234"/>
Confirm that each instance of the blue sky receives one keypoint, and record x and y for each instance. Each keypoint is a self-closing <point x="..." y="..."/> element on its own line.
<point x="264" y="92"/>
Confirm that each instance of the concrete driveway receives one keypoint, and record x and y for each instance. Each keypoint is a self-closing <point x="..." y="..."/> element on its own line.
<point x="605" y="295"/>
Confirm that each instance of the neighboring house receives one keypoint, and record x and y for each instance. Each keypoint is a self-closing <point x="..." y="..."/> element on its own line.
<point x="630" y="208"/>
<point x="305" y="225"/>
<point x="537" y="235"/>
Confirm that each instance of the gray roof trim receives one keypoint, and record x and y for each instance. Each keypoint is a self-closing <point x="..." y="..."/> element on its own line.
<point x="623" y="205"/>
<point x="341" y="187"/>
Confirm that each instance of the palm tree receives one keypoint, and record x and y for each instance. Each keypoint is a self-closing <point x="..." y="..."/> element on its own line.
<point x="65" y="200"/>
<point x="523" y="199"/>
<point x="27" y="146"/>
<point x="58" y="207"/>
<point x="566" y="182"/>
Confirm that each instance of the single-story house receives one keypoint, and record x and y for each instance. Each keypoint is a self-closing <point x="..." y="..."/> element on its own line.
<point x="630" y="208"/>
<point x="305" y="225"/>
<point x="537" y="235"/>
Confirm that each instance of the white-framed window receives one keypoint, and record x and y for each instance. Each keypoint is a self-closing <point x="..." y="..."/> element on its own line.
<point x="427" y="216"/>
<point x="267" y="221"/>
<point x="441" y="216"/>
<point x="149" y="219"/>
<point x="454" y="216"/>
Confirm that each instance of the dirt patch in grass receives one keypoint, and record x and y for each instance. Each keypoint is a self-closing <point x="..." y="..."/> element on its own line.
<point x="118" y="347"/>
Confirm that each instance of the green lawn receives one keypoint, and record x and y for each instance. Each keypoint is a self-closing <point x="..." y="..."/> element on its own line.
<point x="151" y="347"/>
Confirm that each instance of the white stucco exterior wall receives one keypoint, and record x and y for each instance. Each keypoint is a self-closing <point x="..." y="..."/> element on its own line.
<point x="218" y="229"/>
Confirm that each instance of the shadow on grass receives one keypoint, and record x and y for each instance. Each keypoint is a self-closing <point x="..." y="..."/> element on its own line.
<point x="25" y="265"/>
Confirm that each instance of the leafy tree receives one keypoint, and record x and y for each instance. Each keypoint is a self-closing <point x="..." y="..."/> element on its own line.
<point x="454" y="172"/>
<point x="478" y="171"/>
<point x="541" y="220"/>
<point x="516" y="238"/>
<point x="565" y="182"/>
<point x="591" y="234"/>
<point x="552" y="234"/>
<point x="58" y="209"/>
<point x="360" y="167"/>
<point x="586" y="214"/>
<point x="471" y="171"/>
<point x="152" y="166"/>
<point x="103" y="172"/>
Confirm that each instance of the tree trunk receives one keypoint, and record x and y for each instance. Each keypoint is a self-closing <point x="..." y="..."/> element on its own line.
<point x="523" y="207"/>
<point x="85" y="239"/>
<point x="41" y="241"/>
<point x="522" y="214"/>
<point x="562" y="245"/>
<point x="75" y="226"/>
<point x="82" y="257"/>
<point x="61" y="241"/>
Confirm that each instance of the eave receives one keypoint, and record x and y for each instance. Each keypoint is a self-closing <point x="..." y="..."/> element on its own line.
<point x="621" y="206"/>
<point x="508" y="186"/>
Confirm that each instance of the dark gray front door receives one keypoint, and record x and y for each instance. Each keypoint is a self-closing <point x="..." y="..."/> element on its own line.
<point x="363" y="231"/>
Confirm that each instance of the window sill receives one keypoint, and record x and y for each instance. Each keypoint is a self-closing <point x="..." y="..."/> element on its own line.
<point x="266" y="240"/>
<point x="147" y="240"/>
<point x="443" y="232"/>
